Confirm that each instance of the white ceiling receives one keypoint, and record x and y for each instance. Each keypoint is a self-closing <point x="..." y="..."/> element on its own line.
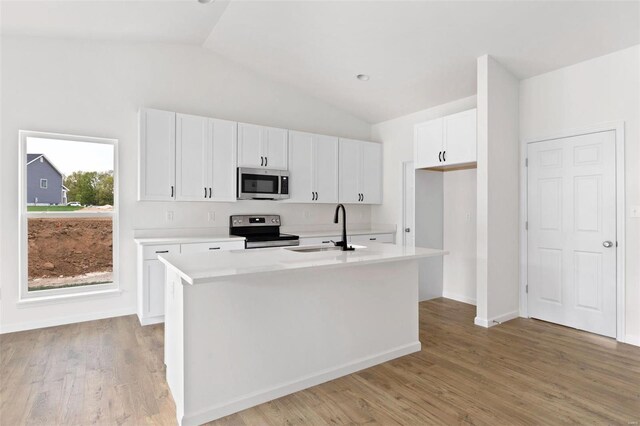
<point x="418" y="53"/>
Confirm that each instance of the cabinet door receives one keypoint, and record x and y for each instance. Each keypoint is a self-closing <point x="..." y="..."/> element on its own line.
<point x="301" y="160"/>
<point x="157" y="153"/>
<point x="275" y="148"/>
<point x="428" y="140"/>
<point x="350" y="171"/>
<point x="325" y="169"/>
<point x="250" y="145"/>
<point x="372" y="238"/>
<point x="223" y="142"/>
<point x="193" y="158"/>
<point x="371" y="187"/>
<point x="460" y="138"/>
<point x="154" y="282"/>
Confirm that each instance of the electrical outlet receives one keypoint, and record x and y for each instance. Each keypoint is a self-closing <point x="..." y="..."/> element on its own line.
<point x="635" y="211"/>
<point x="211" y="216"/>
<point x="307" y="214"/>
<point x="169" y="216"/>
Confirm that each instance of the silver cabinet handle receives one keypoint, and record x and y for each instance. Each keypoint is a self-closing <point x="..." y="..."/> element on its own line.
<point x="607" y="244"/>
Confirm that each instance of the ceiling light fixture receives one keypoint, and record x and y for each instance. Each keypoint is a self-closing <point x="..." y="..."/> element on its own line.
<point x="204" y="1"/>
<point x="362" y="77"/>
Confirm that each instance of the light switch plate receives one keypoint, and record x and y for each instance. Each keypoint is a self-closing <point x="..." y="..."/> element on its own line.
<point x="635" y="211"/>
<point x="169" y="215"/>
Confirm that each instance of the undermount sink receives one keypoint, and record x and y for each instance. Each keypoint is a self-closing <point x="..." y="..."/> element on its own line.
<point x="320" y="248"/>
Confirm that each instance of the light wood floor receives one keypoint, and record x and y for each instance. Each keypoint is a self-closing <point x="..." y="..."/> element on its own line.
<point x="520" y="372"/>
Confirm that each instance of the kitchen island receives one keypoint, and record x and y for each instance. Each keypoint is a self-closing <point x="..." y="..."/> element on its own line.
<point x="245" y="327"/>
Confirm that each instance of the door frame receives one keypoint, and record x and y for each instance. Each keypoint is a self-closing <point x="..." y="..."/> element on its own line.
<point x="618" y="128"/>
<point x="405" y="166"/>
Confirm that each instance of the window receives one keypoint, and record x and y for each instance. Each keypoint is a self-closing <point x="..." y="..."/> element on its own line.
<point x="68" y="233"/>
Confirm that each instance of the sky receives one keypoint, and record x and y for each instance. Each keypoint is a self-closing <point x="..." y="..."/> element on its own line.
<point x="72" y="156"/>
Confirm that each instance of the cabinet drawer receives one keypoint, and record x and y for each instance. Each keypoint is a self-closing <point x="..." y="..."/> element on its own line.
<point x="152" y="252"/>
<point x="212" y="246"/>
<point x="375" y="238"/>
<point x="314" y="241"/>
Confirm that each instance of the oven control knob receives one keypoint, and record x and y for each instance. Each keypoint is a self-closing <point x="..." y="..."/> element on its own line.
<point x="273" y="221"/>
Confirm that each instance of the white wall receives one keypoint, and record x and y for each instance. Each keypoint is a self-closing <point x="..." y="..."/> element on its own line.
<point x="459" y="236"/>
<point x="498" y="176"/>
<point x="600" y="90"/>
<point x="95" y="89"/>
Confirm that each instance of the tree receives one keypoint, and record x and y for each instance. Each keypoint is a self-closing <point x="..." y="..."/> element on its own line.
<point x="90" y="188"/>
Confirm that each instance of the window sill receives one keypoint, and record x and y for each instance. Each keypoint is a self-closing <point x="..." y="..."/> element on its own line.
<point x="26" y="302"/>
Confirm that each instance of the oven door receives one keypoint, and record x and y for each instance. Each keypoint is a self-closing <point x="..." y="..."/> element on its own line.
<point x="258" y="184"/>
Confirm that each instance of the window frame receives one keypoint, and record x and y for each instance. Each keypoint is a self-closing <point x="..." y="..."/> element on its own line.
<point x="23" y="244"/>
<point x="46" y="183"/>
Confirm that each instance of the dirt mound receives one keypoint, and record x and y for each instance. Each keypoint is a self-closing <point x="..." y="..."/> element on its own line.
<point x="69" y="246"/>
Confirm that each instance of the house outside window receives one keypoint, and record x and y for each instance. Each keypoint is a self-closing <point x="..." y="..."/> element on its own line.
<point x="43" y="183"/>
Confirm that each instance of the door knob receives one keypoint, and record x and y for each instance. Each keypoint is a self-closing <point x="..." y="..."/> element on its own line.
<point x="607" y="244"/>
<point x="407" y="229"/>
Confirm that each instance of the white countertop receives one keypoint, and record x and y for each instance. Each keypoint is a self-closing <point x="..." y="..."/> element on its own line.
<point x="197" y="268"/>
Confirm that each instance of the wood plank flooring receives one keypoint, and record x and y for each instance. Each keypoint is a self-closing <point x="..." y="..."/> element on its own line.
<point x="521" y="372"/>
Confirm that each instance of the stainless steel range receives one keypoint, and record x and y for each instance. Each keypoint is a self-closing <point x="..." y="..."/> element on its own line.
<point x="261" y="231"/>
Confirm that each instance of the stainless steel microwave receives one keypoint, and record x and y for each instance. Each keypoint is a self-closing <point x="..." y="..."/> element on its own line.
<point x="262" y="184"/>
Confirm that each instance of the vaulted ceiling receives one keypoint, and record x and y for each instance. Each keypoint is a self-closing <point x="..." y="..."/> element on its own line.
<point x="417" y="53"/>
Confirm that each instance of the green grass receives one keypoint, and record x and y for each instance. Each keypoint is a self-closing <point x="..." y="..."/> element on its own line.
<point x="52" y="208"/>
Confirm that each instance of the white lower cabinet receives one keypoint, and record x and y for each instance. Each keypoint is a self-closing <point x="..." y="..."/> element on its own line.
<point x="151" y="274"/>
<point x="316" y="241"/>
<point x="372" y="238"/>
<point x="353" y="239"/>
<point x="153" y="288"/>
<point x="212" y="246"/>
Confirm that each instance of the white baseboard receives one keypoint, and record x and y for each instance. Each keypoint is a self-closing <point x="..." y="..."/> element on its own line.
<point x="151" y="320"/>
<point x="630" y="339"/>
<point x="459" y="298"/>
<point x="70" y="319"/>
<point x="259" y="397"/>
<point x="486" y="323"/>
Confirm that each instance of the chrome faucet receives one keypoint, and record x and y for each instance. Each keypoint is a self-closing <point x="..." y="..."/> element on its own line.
<point x="343" y="243"/>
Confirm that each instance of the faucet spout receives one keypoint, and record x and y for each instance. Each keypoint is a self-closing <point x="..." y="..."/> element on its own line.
<point x="343" y="243"/>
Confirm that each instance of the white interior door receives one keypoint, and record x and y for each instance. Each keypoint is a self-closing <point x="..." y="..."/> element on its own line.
<point x="409" y="204"/>
<point x="572" y="232"/>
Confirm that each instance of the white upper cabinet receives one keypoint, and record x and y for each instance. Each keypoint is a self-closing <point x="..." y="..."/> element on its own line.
<point x="193" y="158"/>
<point x="445" y="142"/>
<point x="371" y="173"/>
<point x="260" y="146"/>
<point x="156" y="156"/>
<point x="360" y="172"/>
<point x="186" y="157"/>
<point x="313" y="167"/>
<point x="428" y="144"/>
<point x="325" y="169"/>
<point x="223" y="135"/>
<point x="205" y="159"/>
<point x="460" y="138"/>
